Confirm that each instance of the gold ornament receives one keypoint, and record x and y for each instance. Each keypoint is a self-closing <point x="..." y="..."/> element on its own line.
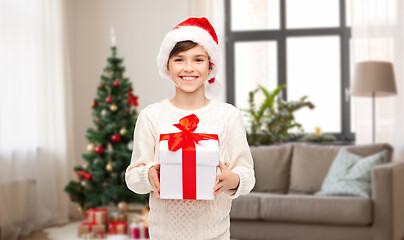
<point x="123" y="207"/>
<point x="113" y="107"/>
<point x="123" y="131"/>
<point x="90" y="147"/>
<point x="80" y="210"/>
<point x="109" y="166"/>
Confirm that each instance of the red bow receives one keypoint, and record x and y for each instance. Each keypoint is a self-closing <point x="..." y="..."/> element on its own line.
<point x="84" y="174"/>
<point x="132" y="99"/>
<point x="186" y="140"/>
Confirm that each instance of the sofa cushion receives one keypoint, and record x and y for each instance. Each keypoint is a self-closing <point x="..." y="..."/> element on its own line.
<point x="370" y="149"/>
<point x="349" y="174"/>
<point x="316" y="209"/>
<point x="246" y="206"/>
<point x="310" y="164"/>
<point x="272" y="167"/>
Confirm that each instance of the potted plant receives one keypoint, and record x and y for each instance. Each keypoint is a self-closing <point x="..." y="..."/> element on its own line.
<point x="271" y="121"/>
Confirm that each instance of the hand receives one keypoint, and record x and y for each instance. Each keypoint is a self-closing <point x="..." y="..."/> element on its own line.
<point x="227" y="180"/>
<point x="154" y="179"/>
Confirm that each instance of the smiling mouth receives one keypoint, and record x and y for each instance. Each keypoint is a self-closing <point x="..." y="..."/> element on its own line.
<point x="188" y="78"/>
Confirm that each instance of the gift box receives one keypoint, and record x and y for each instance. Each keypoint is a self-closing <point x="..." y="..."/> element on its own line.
<point x="97" y="215"/>
<point x="138" y="231"/>
<point x="119" y="227"/>
<point x="86" y="227"/>
<point x="188" y="156"/>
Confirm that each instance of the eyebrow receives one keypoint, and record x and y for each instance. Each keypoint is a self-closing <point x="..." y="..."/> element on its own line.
<point x="198" y="55"/>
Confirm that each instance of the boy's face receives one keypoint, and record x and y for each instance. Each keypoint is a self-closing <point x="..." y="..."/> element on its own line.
<point x="189" y="69"/>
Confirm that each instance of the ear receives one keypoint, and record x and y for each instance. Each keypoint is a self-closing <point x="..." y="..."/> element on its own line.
<point x="168" y="70"/>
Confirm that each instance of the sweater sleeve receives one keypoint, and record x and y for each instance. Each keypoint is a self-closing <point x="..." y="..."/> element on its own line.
<point x="241" y="161"/>
<point x="136" y="175"/>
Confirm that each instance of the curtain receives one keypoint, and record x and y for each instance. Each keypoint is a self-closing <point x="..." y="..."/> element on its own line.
<point x="35" y="107"/>
<point x="378" y="34"/>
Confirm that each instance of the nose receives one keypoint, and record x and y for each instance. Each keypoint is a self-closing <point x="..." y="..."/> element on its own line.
<point x="188" y="66"/>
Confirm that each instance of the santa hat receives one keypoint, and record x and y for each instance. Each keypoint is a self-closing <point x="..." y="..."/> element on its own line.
<point x="200" y="31"/>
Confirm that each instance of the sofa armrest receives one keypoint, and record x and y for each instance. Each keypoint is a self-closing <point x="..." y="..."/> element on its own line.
<point x="388" y="199"/>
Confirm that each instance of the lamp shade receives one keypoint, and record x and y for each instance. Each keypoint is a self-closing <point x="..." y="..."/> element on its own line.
<point x="374" y="77"/>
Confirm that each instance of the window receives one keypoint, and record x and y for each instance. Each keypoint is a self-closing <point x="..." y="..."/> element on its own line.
<point x="303" y="43"/>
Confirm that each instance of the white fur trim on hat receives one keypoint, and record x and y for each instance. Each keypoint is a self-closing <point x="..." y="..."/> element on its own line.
<point x="188" y="33"/>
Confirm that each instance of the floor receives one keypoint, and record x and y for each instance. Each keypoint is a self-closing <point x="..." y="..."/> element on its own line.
<point x="40" y="235"/>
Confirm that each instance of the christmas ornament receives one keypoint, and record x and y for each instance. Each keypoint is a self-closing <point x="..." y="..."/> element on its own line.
<point x="130" y="145"/>
<point x="132" y="99"/>
<point x="90" y="147"/>
<point x="84" y="166"/>
<point x="122" y="131"/>
<point x="108" y="99"/>
<point x="110" y="148"/>
<point x="110" y="73"/>
<point x="117" y="83"/>
<point x="84" y="184"/>
<point x="116" y="137"/>
<point x="109" y="166"/>
<point x="123" y="207"/>
<point x="99" y="149"/>
<point x="100" y="86"/>
<point x="98" y="120"/>
<point x="113" y="107"/>
<point x="80" y="210"/>
<point x="94" y="104"/>
<point x="104" y="112"/>
<point x="200" y="31"/>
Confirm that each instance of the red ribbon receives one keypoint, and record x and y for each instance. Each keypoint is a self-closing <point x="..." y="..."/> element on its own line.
<point x="186" y="140"/>
<point x="113" y="227"/>
<point x="84" y="174"/>
<point x="94" y="211"/>
<point x="90" y="225"/>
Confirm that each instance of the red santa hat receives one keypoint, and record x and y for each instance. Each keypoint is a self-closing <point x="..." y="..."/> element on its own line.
<point x="200" y="31"/>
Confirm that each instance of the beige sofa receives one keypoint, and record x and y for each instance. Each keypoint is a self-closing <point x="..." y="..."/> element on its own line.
<point x="282" y="204"/>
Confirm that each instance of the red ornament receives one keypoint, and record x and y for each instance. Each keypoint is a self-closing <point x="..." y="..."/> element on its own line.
<point x="94" y="104"/>
<point x="117" y="83"/>
<point x="71" y="196"/>
<point x="116" y="137"/>
<point x="108" y="99"/>
<point x="132" y="99"/>
<point x="99" y="149"/>
<point x="100" y="86"/>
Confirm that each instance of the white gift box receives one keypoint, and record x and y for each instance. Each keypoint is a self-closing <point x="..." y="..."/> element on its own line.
<point x="207" y="160"/>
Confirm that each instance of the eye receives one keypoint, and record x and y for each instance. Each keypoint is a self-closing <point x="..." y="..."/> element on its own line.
<point x="178" y="60"/>
<point x="199" y="60"/>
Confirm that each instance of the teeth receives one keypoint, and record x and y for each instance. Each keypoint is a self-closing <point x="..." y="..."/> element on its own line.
<point x="188" y="78"/>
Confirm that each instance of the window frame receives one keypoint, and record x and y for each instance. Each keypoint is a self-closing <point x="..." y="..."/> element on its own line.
<point x="280" y="36"/>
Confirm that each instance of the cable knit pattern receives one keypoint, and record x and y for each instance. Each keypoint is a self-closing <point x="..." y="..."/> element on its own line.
<point x="190" y="219"/>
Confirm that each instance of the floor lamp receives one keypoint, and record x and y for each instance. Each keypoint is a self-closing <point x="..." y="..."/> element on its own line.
<point x="373" y="79"/>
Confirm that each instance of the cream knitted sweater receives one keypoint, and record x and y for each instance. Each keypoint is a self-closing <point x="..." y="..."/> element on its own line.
<point x="190" y="219"/>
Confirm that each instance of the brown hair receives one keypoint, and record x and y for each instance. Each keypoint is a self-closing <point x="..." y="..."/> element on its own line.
<point x="182" y="47"/>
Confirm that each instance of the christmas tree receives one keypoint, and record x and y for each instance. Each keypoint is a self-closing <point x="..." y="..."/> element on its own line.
<point x="101" y="180"/>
